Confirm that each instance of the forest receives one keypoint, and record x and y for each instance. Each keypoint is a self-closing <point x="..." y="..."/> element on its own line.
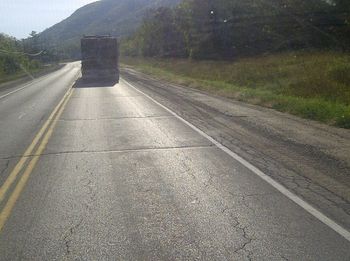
<point x="20" y="57"/>
<point x="227" y="29"/>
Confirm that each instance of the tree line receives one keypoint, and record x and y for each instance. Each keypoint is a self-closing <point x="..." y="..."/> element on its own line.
<point x="225" y="29"/>
<point x="22" y="55"/>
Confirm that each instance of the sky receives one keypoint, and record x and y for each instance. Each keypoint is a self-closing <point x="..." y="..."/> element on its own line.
<point x="20" y="17"/>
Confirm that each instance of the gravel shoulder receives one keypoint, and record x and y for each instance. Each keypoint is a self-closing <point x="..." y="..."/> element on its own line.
<point x="309" y="158"/>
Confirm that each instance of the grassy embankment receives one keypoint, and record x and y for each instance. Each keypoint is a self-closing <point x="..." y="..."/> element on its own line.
<point x="22" y="75"/>
<point x="12" y="77"/>
<point x="310" y="85"/>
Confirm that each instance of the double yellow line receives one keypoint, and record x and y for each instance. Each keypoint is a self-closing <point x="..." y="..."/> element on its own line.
<point x="39" y="142"/>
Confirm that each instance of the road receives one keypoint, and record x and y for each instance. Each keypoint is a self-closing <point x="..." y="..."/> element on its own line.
<point x="110" y="173"/>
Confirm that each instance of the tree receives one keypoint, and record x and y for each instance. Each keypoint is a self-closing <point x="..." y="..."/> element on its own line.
<point x="225" y="29"/>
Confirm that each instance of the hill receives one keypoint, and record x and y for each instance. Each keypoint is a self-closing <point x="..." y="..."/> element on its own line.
<point x="116" y="17"/>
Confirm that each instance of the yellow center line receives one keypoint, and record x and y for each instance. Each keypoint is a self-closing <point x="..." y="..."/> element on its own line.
<point x="5" y="213"/>
<point x="17" y="169"/>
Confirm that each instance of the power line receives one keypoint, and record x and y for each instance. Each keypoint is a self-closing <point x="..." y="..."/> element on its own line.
<point x="22" y="53"/>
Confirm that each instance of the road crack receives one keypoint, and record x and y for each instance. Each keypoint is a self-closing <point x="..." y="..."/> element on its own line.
<point x="69" y="234"/>
<point x="243" y="230"/>
<point x="87" y="182"/>
<point x="247" y="241"/>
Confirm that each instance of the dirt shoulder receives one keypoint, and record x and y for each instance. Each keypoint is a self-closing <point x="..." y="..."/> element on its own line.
<point x="309" y="158"/>
<point x="311" y="86"/>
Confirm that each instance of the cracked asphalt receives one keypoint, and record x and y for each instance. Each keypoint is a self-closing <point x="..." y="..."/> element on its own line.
<point x="123" y="179"/>
<point x="312" y="160"/>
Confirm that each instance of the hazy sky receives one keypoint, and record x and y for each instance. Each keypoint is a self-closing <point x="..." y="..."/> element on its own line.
<point x="19" y="17"/>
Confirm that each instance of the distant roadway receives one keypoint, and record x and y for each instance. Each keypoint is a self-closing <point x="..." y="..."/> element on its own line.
<point x="145" y="170"/>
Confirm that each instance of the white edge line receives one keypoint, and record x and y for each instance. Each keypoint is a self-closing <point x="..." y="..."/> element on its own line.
<point x="37" y="80"/>
<point x="306" y="206"/>
<point x="17" y="90"/>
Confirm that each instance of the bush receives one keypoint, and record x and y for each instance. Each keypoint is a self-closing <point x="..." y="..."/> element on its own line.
<point x="10" y="65"/>
<point x="343" y="121"/>
<point x="341" y="73"/>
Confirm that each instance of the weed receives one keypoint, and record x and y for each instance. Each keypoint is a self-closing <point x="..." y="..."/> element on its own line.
<point x="311" y="85"/>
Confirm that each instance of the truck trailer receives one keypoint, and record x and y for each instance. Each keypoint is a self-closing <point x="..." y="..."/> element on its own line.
<point x="100" y="58"/>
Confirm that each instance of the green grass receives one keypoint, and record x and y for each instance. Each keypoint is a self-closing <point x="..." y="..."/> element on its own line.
<point x="310" y="85"/>
<point x="22" y="74"/>
<point x="12" y="77"/>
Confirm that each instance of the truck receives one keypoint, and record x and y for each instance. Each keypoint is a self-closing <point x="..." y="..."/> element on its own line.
<point x="100" y="58"/>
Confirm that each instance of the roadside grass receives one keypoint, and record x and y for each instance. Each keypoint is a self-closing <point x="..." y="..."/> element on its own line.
<point x="12" y="77"/>
<point x="310" y="85"/>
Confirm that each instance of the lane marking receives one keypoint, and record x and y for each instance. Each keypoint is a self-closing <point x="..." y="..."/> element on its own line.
<point x="29" y="84"/>
<point x="22" y="115"/>
<point x="17" y="90"/>
<point x="296" y="199"/>
<point x="17" y="169"/>
<point x="5" y="213"/>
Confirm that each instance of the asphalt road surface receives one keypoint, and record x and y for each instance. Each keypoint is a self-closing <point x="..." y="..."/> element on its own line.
<point x="102" y="172"/>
